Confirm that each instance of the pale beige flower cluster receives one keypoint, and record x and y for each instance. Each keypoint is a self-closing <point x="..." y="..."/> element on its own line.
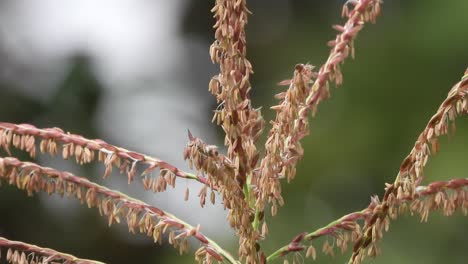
<point x="249" y="184"/>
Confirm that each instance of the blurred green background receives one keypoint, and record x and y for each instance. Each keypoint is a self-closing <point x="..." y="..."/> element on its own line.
<point x="404" y="67"/>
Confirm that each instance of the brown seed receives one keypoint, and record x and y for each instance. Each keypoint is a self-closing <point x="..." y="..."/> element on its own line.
<point x="212" y="197"/>
<point x="264" y="229"/>
<point x="311" y="252"/>
<point x="186" y="195"/>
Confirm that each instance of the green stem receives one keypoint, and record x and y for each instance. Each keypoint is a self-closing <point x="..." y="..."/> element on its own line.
<point x="223" y="252"/>
<point x="256" y="221"/>
<point x="247" y="191"/>
<point x="251" y="201"/>
<point x="328" y="229"/>
<point x="277" y="253"/>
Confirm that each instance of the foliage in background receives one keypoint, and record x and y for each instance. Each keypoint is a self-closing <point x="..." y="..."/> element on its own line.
<point x="208" y="159"/>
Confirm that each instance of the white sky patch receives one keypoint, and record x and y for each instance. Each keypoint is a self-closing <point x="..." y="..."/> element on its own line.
<point x="126" y="38"/>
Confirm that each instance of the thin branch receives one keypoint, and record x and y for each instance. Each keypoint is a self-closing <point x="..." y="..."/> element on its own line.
<point x="220" y="171"/>
<point x="445" y="195"/>
<point x="140" y="216"/>
<point x="306" y="90"/>
<point x="85" y="150"/>
<point x="412" y="165"/>
<point x="346" y="223"/>
<point x="411" y="169"/>
<point x="23" y="253"/>
<point x="241" y="123"/>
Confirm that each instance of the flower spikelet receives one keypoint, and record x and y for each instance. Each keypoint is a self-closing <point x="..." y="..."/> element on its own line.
<point x="220" y="173"/>
<point x="240" y="121"/>
<point x="283" y="148"/>
<point x="23" y="253"/>
<point x="410" y="174"/>
<point x="71" y="146"/>
<point x="140" y="217"/>
<point x="306" y="90"/>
